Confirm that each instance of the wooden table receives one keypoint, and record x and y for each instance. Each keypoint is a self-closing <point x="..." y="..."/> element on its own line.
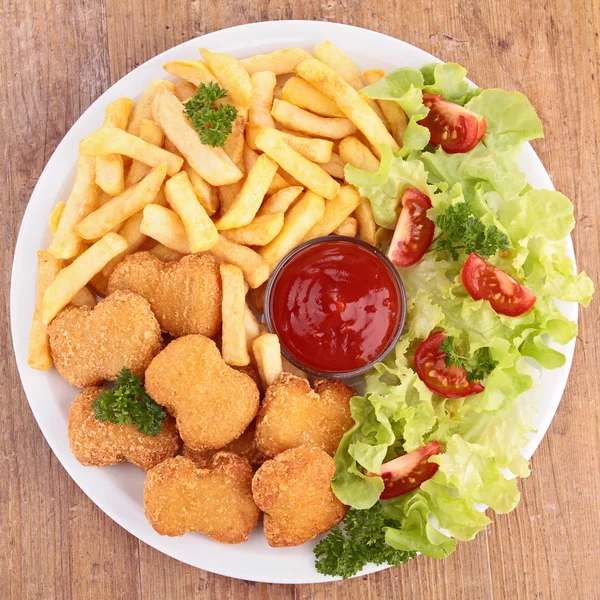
<point x="56" y="58"/>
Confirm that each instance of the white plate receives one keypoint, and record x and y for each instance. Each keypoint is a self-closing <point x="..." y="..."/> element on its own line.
<point x="118" y="490"/>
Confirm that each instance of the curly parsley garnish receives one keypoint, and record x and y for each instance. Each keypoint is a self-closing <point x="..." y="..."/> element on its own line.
<point x="477" y="367"/>
<point x="212" y="122"/>
<point x="360" y="540"/>
<point x="128" y="402"/>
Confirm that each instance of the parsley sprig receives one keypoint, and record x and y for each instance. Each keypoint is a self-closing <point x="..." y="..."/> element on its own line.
<point x="212" y="121"/>
<point x="477" y="367"/>
<point x="359" y="540"/>
<point x="128" y="402"/>
<point x="462" y="231"/>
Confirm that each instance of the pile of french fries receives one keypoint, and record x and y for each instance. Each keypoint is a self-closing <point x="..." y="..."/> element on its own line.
<point x="145" y="181"/>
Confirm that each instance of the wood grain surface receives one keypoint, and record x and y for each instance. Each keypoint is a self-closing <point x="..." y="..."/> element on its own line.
<point x="58" y="56"/>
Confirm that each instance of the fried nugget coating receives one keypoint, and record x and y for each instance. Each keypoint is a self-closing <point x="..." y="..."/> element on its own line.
<point x="91" y="345"/>
<point x="100" y="443"/>
<point x="185" y="295"/>
<point x="179" y="498"/>
<point x="292" y="414"/>
<point x="212" y="403"/>
<point x="294" y="491"/>
<point x="244" y="446"/>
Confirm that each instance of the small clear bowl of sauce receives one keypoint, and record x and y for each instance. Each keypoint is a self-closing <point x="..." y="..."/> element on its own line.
<point x="338" y="306"/>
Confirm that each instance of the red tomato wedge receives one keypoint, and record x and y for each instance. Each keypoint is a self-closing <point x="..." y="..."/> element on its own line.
<point x="406" y="473"/>
<point x="453" y="127"/>
<point x="430" y="365"/>
<point x="486" y="282"/>
<point x="414" y="231"/>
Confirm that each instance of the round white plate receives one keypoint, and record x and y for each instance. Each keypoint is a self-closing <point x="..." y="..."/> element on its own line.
<point x="118" y="490"/>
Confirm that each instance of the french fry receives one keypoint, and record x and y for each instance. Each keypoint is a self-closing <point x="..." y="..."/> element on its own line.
<point x="299" y="220"/>
<point x="303" y="94"/>
<point x="110" y="140"/>
<point x="207" y="195"/>
<point x="335" y="167"/>
<point x="251" y="327"/>
<point x="233" y="337"/>
<point x="212" y="164"/>
<point x="277" y="92"/>
<point x="263" y="84"/>
<point x="233" y="76"/>
<point x="280" y="201"/>
<point x="348" y="100"/>
<point x="288" y="367"/>
<point x="103" y="199"/>
<point x="336" y="210"/>
<point x="130" y="232"/>
<point x="306" y="172"/>
<point x="234" y="144"/>
<point x="121" y="207"/>
<point x="394" y="115"/>
<point x="355" y="153"/>
<point x="257" y="297"/>
<point x="201" y="231"/>
<point x="165" y="254"/>
<point x="267" y="352"/>
<point x="279" y="62"/>
<point x="299" y="119"/>
<point x="149" y="132"/>
<point x="248" y="201"/>
<point x="99" y="284"/>
<point x="143" y="109"/>
<point x="259" y="232"/>
<point x="39" y="356"/>
<point x="170" y="147"/>
<point x="84" y="298"/>
<point x="193" y="71"/>
<point x="228" y="194"/>
<point x="55" y="215"/>
<point x="165" y="226"/>
<point x="81" y="202"/>
<point x="184" y="90"/>
<point x="255" y="268"/>
<point x="72" y="278"/>
<point x="278" y="183"/>
<point x="348" y="227"/>
<point x="366" y="221"/>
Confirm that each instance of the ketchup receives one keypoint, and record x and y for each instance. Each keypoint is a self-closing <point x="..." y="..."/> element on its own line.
<point x="335" y="306"/>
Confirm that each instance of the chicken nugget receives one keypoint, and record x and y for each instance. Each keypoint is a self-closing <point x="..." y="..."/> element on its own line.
<point x="185" y="294"/>
<point x="212" y="403"/>
<point x="91" y="345"/>
<point x="294" y="491"/>
<point x="179" y="498"/>
<point x="293" y="414"/>
<point x="101" y="443"/>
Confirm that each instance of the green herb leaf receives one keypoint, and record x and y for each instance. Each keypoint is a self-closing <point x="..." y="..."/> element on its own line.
<point x="477" y="367"/>
<point x="128" y="402"/>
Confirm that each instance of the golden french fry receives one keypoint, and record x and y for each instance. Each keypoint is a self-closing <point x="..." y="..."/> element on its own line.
<point x="366" y="221"/>
<point x="232" y="75"/>
<point x="130" y="232"/>
<point x="299" y="220"/>
<point x="103" y="199"/>
<point x="72" y="278"/>
<point x="299" y="119"/>
<point x="335" y="167"/>
<point x="336" y="210"/>
<point x="306" y="172"/>
<point x="251" y="327"/>
<point x="81" y="202"/>
<point x="248" y="201"/>
<point x="348" y="100"/>
<point x="212" y="164"/>
<point x="207" y="195"/>
<point x="355" y="153"/>
<point x="201" y="231"/>
<point x="280" y="201"/>
<point x="257" y="297"/>
<point x="267" y="352"/>
<point x="277" y="92"/>
<point x="184" y="90"/>
<point x="234" y="144"/>
<point x="278" y="183"/>
<point x="84" y="298"/>
<point x="263" y="84"/>
<point x="170" y="147"/>
<point x="279" y="62"/>
<point x="193" y="71"/>
<point x="255" y="268"/>
<point x="39" y="356"/>
<point x="228" y="194"/>
<point x="348" y="227"/>
<point x="259" y="232"/>
<point x="303" y="94"/>
<point x="165" y="254"/>
<point x="55" y="215"/>
<point x="165" y="226"/>
<point x="233" y="337"/>
<point x="109" y="140"/>
<point x="99" y="284"/>
<point x="143" y="109"/>
<point x="394" y="115"/>
<point x="149" y="132"/>
<point x="121" y="207"/>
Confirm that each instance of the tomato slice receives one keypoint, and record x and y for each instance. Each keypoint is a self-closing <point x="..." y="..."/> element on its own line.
<point x="486" y="282"/>
<point x="414" y="231"/>
<point x="406" y="473"/>
<point x="430" y="365"/>
<point x="453" y="127"/>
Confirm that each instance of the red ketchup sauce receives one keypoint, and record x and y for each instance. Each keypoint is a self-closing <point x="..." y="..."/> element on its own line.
<point x="335" y="306"/>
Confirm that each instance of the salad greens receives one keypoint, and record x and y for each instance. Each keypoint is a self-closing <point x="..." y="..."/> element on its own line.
<point x="481" y="201"/>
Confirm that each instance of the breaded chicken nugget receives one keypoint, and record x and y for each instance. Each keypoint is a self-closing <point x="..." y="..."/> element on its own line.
<point x="212" y="403"/>
<point x="244" y="446"/>
<point x="217" y="501"/>
<point x="185" y="295"/>
<point x="90" y="345"/>
<point x="100" y="443"/>
<point x="252" y="372"/>
<point x="293" y="414"/>
<point x="294" y="491"/>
